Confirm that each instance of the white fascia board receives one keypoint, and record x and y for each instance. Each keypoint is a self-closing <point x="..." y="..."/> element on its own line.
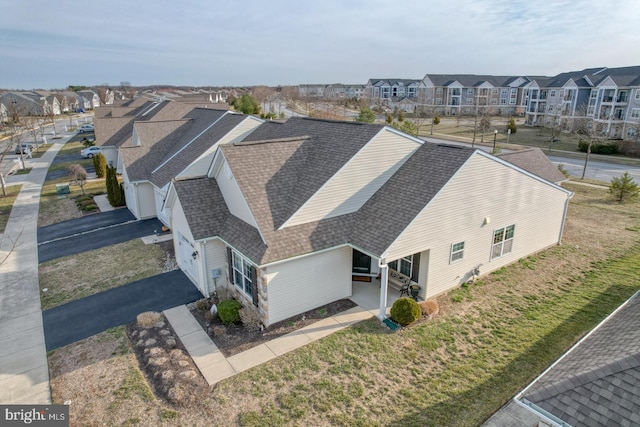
<point x="529" y="174"/>
<point x="400" y="133"/>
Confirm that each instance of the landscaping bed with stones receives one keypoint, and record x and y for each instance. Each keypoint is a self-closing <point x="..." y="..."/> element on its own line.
<point x="168" y="367"/>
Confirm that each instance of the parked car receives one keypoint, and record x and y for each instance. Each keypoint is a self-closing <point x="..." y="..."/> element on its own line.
<point x="90" y="151"/>
<point x="24" y="148"/>
<point x="85" y="128"/>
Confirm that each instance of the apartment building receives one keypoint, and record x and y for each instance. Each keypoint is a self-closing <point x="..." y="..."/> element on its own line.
<point x="467" y="94"/>
<point x="609" y="97"/>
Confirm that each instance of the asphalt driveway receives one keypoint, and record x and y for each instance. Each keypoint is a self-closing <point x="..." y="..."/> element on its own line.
<point x="86" y="317"/>
<point x="86" y="223"/>
<point x="85" y="237"/>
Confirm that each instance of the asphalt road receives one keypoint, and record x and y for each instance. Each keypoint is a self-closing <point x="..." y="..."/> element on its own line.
<point x="94" y="238"/>
<point x="88" y="316"/>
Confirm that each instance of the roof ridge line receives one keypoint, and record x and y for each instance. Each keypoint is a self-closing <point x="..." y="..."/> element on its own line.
<point x="268" y="141"/>
<point x="612" y="367"/>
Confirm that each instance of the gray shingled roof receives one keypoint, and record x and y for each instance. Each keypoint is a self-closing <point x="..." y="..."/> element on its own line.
<point x="385" y="215"/>
<point x="176" y="161"/>
<point x="597" y="383"/>
<point x="270" y="172"/>
<point x="329" y="146"/>
<point x="168" y="147"/>
<point x="533" y="160"/>
<point x="207" y="216"/>
<point x="157" y="140"/>
<point x="470" y="80"/>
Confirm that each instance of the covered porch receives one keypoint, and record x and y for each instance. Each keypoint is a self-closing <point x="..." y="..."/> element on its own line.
<point x="367" y="296"/>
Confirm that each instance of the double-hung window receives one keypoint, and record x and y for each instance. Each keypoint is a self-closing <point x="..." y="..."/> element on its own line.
<point x="403" y="265"/>
<point x="502" y="241"/>
<point x="457" y="252"/>
<point x="242" y="274"/>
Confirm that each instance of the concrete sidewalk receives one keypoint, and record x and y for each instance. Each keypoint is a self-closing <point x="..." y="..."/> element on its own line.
<point x="215" y="367"/>
<point x="24" y="373"/>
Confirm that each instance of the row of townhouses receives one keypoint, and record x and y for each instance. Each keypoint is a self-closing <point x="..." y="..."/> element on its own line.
<point x="608" y="96"/>
<point x="43" y="103"/>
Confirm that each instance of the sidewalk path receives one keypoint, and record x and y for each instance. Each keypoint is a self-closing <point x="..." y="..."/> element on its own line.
<point x="215" y="367"/>
<point x="24" y="373"/>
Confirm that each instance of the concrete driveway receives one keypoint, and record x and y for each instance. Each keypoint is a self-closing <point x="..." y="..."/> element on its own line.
<point x="81" y="236"/>
<point x="85" y="317"/>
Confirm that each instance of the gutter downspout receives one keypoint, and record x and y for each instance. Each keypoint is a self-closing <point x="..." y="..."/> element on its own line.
<point x="384" y="281"/>
<point x="564" y="217"/>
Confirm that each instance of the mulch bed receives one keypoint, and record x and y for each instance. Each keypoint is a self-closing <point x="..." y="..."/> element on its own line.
<point x="234" y="339"/>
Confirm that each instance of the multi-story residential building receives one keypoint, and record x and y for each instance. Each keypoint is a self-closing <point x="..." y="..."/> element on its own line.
<point x="311" y="91"/>
<point x="608" y="97"/>
<point x="404" y="94"/>
<point x="468" y="94"/>
<point x="339" y="91"/>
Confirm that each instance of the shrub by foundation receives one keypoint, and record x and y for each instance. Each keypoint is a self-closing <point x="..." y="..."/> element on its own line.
<point x="250" y="319"/>
<point x="405" y="311"/>
<point x="429" y="307"/>
<point x="229" y="311"/>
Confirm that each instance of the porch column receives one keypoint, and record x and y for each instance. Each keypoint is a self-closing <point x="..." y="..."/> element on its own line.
<point x="384" y="282"/>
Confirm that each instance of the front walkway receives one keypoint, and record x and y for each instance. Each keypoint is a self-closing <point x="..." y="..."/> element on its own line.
<point x="24" y="373"/>
<point x="215" y="367"/>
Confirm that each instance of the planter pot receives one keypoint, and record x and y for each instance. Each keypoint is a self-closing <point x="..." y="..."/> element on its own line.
<point x="415" y="290"/>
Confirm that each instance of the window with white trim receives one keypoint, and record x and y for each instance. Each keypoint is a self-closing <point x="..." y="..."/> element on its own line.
<point x="631" y="132"/>
<point x="403" y="265"/>
<point x="439" y="91"/>
<point x="457" y="252"/>
<point x="502" y="241"/>
<point x="635" y="113"/>
<point x="553" y="94"/>
<point x="242" y="274"/>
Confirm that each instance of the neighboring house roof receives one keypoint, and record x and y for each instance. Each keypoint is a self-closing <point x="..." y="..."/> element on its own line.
<point x="470" y="80"/>
<point x="597" y="381"/>
<point x="534" y="160"/>
<point x="169" y="147"/>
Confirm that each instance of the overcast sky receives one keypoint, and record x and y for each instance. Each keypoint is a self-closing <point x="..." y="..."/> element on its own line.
<point x="52" y="44"/>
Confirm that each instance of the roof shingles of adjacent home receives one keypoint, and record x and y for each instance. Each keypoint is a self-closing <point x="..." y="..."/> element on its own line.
<point x="209" y="127"/>
<point x="169" y="147"/>
<point x="533" y="160"/>
<point x="598" y="381"/>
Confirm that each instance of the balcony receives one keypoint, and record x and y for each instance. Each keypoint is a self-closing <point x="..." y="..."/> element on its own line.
<point x="622" y="98"/>
<point x="607" y="99"/>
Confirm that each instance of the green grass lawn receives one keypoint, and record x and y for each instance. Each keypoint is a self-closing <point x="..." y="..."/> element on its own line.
<point x="6" y="204"/>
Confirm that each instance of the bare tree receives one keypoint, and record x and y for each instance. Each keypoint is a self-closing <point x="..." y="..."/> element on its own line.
<point x="78" y="174"/>
<point x="12" y="246"/>
<point x="33" y="127"/>
<point x="586" y="126"/>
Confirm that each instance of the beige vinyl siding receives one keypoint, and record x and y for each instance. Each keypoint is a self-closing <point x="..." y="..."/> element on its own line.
<point x="483" y="188"/>
<point x="159" y="196"/>
<point x="129" y="193"/>
<point x="232" y="195"/>
<point x="356" y="182"/>
<point x="306" y="283"/>
<point x="200" y="167"/>
<point x="216" y="257"/>
<point x="146" y="200"/>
